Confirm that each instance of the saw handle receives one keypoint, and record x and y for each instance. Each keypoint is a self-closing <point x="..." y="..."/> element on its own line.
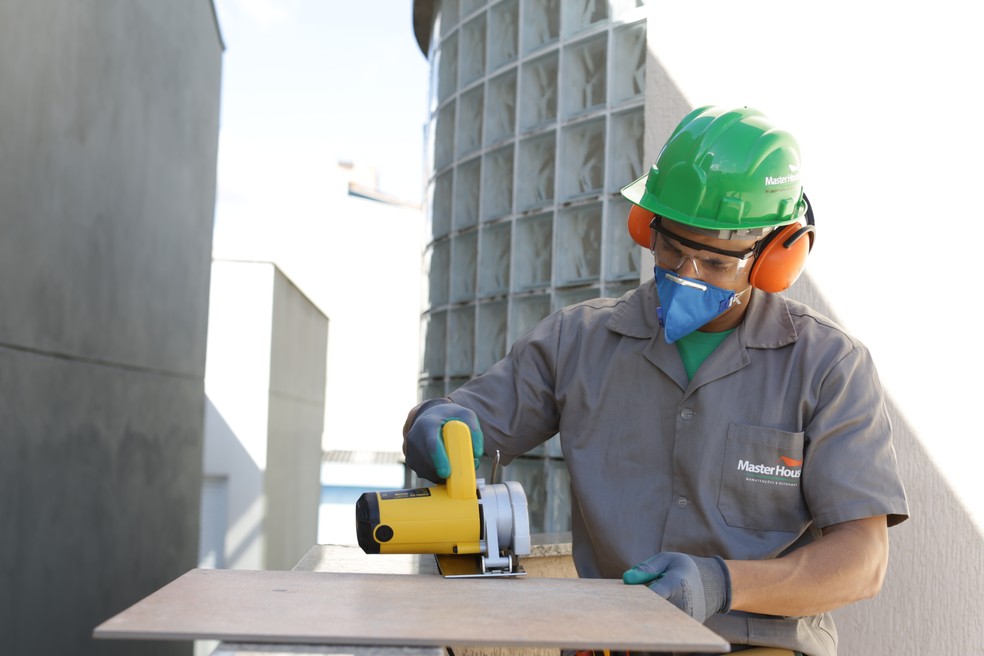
<point x="458" y="444"/>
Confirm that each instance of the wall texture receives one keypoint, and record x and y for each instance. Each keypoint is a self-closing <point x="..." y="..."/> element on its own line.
<point x="108" y="135"/>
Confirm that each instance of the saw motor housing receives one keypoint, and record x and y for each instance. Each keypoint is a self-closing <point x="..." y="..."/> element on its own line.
<point x="464" y="518"/>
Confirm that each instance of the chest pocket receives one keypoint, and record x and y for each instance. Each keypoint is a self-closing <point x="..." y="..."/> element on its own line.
<point x="760" y="481"/>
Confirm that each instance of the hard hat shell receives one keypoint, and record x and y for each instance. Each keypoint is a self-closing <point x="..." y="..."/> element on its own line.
<point x="724" y="170"/>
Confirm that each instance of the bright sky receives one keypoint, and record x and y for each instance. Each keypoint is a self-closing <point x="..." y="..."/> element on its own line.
<point x="322" y="81"/>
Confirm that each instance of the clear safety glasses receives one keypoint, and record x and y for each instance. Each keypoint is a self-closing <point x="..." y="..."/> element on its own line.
<point x="710" y="264"/>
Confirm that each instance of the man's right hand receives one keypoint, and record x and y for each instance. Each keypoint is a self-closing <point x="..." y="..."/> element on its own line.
<point x="423" y="443"/>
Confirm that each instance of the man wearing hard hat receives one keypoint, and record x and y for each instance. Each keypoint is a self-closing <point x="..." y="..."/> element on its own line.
<point x="727" y="446"/>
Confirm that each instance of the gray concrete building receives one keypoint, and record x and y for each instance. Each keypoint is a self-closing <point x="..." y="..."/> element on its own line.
<point x="108" y="137"/>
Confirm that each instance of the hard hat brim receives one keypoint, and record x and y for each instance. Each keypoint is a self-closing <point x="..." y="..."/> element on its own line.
<point x="633" y="191"/>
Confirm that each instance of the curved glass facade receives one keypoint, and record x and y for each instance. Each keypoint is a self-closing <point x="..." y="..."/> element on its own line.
<point x="536" y="122"/>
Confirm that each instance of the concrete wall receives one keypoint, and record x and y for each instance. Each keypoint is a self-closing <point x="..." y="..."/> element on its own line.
<point x="299" y="351"/>
<point x="108" y="137"/>
<point x="265" y="382"/>
<point x="881" y="98"/>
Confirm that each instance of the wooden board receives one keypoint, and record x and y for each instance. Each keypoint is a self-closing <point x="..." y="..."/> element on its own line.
<point x="400" y="610"/>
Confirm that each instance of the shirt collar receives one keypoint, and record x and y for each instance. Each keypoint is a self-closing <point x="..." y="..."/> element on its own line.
<point x="767" y="323"/>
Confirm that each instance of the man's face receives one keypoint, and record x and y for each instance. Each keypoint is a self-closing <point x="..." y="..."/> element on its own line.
<point x="710" y="266"/>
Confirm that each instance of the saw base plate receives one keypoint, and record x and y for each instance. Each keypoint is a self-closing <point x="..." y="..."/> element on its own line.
<point x="452" y="566"/>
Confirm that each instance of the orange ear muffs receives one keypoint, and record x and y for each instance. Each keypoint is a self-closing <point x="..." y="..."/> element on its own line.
<point x="781" y="257"/>
<point x="639" y="221"/>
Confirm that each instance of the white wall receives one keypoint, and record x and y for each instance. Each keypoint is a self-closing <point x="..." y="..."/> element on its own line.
<point x="882" y="97"/>
<point x="264" y="382"/>
<point x="237" y="384"/>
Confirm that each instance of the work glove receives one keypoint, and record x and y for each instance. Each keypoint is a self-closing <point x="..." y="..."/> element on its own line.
<point x="700" y="587"/>
<point x="423" y="442"/>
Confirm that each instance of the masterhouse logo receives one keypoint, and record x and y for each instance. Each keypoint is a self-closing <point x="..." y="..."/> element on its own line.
<point x="784" y="472"/>
<point x="773" y="180"/>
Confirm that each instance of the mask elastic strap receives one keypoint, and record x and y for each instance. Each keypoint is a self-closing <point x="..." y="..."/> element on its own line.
<point x="736" y="299"/>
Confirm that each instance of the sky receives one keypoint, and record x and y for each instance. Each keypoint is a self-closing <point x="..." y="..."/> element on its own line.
<point x="307" y="83"/>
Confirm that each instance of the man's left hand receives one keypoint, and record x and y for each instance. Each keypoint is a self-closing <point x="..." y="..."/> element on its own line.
<point x="700" y="587"/>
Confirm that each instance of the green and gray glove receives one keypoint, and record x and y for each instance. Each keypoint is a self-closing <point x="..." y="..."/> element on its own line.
<point x="700" y="587"/>
<point x="423" y="442"/>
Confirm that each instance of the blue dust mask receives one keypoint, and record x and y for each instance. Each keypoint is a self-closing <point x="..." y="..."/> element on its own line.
<point x="686" y="304"/>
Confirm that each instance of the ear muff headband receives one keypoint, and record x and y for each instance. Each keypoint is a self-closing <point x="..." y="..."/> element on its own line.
<point x="782" y="255"/>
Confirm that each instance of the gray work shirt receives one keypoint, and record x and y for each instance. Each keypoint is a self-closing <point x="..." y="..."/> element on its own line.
<point x="782" y="431"/>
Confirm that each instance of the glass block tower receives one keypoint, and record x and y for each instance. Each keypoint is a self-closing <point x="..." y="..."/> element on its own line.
<point x="535" y="123"/>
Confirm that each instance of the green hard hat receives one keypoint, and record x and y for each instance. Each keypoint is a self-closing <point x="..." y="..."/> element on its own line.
<point x="729" y="171"/>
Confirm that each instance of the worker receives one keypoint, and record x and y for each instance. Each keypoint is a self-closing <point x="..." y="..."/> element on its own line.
<point x="727" y="446"/>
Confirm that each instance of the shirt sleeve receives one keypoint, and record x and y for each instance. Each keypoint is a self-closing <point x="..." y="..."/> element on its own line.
<point x="515" y="399"/>
<point x="850" y="470"/>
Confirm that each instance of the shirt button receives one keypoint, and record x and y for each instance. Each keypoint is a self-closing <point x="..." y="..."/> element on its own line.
<point x="681" y="502"/>
<point x="687" y="413"/>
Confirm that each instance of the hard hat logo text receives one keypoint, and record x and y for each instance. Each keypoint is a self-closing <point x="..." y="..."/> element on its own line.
<point x="772" y="181"/>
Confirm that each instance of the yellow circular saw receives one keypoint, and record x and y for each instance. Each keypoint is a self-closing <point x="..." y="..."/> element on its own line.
<point x="474" y="528"/>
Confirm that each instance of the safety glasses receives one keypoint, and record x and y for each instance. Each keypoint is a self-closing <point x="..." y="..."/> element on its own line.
<point x="713" y="265"/>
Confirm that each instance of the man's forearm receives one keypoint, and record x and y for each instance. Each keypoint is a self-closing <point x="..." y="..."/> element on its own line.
<point x="846" y="565"/>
